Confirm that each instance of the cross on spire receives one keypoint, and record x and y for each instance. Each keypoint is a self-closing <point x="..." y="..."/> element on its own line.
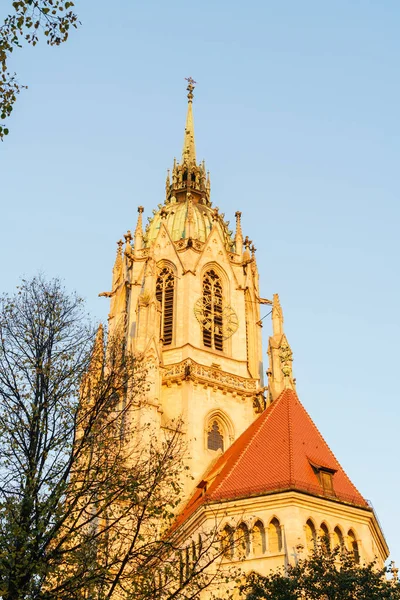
<point x="190" y="87"/>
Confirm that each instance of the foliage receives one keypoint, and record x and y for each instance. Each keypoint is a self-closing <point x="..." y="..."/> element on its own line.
<point x="29" y="20"/>
<point x="325" y="575"/>
<point x="88" y="486"/>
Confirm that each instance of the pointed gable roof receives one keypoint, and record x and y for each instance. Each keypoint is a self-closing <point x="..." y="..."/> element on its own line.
<point x="281" y="450"/>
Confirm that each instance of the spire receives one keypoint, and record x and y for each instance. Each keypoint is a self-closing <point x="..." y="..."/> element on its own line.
<point x="239" y="234"/>
<point x="277" y="316"/>
<point x="280" y="373"/>
<point x="139" y="229"/>
<point x="117" y="270"/>
<point x="189" y="148"/>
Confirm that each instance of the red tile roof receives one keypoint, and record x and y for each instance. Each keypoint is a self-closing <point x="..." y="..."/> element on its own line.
<point x="275" y="453"/>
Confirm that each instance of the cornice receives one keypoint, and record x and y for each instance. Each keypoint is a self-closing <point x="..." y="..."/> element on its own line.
<point x="190" y="370"/>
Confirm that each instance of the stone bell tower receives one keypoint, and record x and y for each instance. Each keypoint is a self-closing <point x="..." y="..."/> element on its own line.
<point x="186" y="294"/>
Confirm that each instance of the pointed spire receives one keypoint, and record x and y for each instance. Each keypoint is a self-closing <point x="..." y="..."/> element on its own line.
<point x="280" y="372"/>
<point x="239" y="234"/>
<point x="189" y="148"/>
<point x="139" y="229"/>
<point x="117" y="270"/>
<point x="277" y="316"/>
<point x="167" y="184"/>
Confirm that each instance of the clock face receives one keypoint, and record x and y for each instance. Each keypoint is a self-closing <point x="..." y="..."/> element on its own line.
<point x="212" y="316"/>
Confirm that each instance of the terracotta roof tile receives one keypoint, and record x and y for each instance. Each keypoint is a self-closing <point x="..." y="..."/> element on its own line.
<point x="275" y="453"/>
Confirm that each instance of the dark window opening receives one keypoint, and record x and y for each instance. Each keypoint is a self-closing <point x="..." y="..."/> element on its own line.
<point x="165" y="296"/>
<point x="212" y="304"/>
<point x="215" y="439"/>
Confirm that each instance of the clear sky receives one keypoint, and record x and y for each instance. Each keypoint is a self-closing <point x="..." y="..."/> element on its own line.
<point x="297" y="116"/>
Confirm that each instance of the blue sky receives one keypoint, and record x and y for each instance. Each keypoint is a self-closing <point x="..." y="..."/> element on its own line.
<point x="296" y="114"/>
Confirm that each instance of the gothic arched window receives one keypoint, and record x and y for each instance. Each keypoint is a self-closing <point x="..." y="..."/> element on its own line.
<point x="165" y="296"/>
<point x="212" y="311"/>
<point x="274" y="536"/>
<point x="242" y="540"/>
<point x="337" y="538"/>
<point x="324" y="537"/>
<point x="258" y="538"/>
<point x="311" y="536"/>
<point x="227" y="541"/>
<point x="215" y="439"/>
<point x="353" y="546"/>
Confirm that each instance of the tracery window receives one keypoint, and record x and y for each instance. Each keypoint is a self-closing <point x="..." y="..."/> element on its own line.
<point x="165" y="296"/>
<point x="212" y="311"/>
<point x="258" y="538"/>
<point x="215" y="439"/>
<point x="274" y="536"/>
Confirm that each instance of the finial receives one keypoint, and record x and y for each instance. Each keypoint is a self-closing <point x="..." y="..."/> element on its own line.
<point x="120" y="243"/>
<point x="238" y="235"/>
<point x="128" y="239"/>
<point x="139" y="230"/>
<point x="190" y="87"/>
<point x="277" y="316"/>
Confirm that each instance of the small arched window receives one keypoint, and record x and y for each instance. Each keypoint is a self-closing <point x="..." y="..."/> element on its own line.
<point x="212" y="311"/>
<point x="242" y="541"/>
<point x="165" y="296"/>
<point x="227" y="541"/>
<point x="274" y="536"/>
<point x="324" y="537"/>
<point x="353" y="546"/>
<point x="337" y="538"/>
<point x="258" y="538"/>
<point x="311" y="536"/>
<point x="215" y="439"/>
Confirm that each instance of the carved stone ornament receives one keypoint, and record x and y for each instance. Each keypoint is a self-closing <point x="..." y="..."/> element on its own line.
<point x="286" y="356"/>
<point x="204" y="315"/>
<point x="189" y="369"/>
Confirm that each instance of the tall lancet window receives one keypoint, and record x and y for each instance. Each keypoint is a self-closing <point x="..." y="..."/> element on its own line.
<point x="212" y="307"/>
<point x="165" y="296"/>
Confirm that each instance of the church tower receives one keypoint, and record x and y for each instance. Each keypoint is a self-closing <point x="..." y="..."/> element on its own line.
<point x="187" y="295"/>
